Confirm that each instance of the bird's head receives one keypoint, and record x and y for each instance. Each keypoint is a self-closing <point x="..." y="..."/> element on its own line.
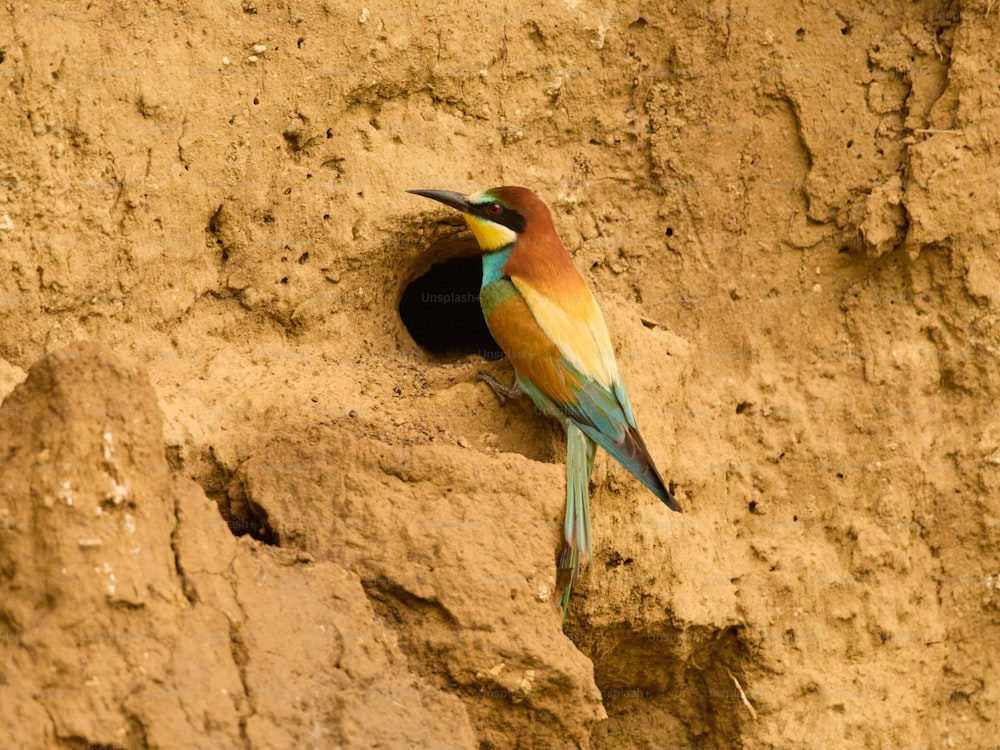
<point x="496" y="216"/>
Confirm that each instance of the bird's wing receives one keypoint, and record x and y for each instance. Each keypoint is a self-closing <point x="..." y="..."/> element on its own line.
<point x="551" y="367"/>
<point x="572" y="363"/>
<point x="574" y="322"/>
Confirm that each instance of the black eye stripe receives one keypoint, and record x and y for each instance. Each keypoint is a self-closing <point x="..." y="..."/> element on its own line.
<point x="507" y="217"/>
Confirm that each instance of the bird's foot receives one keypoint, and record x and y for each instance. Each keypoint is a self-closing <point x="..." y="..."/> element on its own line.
<point x="503" y="392"/>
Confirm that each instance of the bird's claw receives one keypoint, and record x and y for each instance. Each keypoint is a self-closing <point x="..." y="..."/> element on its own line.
<point x="504" y="393"/>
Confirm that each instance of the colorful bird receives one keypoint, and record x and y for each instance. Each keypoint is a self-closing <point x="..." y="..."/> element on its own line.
<point x="545" y="319"/>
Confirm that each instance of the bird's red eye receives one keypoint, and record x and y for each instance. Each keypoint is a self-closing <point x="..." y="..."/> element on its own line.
<point x="494" y="209"/>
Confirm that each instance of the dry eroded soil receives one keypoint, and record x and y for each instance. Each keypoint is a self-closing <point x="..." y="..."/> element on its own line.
<point x="790" y="218"/>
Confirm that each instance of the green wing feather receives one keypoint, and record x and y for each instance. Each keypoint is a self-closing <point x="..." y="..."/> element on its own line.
<point x="601" y="416"/>
<point x="597" y="401"/>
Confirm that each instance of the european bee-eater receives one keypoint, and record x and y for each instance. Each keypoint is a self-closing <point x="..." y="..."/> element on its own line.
<point x="545" y="319"/>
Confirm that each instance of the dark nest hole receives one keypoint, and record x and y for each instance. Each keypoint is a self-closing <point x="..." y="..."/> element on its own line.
<point x="244" y="516"/>
<point x="440" y="307"/>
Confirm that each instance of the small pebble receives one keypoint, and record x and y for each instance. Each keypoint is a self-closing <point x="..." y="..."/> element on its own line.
<point x="259" y="49"/>
<point x="225" y="61"/>
<point x="252" y="59"/>
<point x="463" y="443"/>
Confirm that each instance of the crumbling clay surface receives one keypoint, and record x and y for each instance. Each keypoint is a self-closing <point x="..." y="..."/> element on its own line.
<point x="133" y="618"/>
<point x="252" y="494"/>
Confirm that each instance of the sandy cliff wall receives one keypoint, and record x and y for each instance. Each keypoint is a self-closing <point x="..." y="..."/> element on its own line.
<point x="790" y="217"/>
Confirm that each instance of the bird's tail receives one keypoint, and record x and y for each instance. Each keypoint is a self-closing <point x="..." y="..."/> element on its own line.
<point x="576" y="547"/>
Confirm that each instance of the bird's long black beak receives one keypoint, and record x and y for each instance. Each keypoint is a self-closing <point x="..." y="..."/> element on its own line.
<point x="447" y="197"/>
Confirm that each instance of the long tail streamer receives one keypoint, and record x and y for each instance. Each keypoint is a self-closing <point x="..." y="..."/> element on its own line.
<point x="577" y="547"/>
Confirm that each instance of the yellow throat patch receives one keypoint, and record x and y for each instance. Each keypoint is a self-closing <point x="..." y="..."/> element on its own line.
<point x="490" y="236"/>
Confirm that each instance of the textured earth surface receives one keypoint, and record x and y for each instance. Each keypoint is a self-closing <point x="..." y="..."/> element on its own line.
<point x="252" y="495"/>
